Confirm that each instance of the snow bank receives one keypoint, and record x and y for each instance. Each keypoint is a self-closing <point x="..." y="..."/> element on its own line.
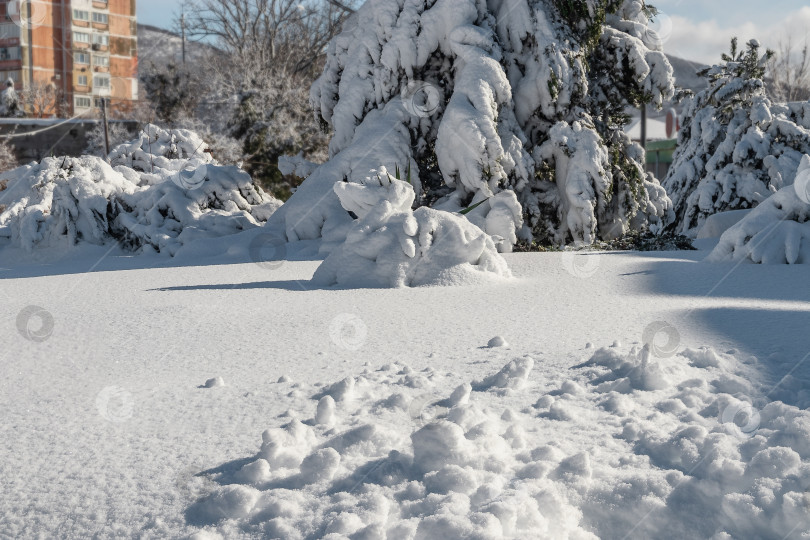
<point x="775" y="232"/>
<point x="391" y="245"/>
<point x="629" y="444"/>
<point x="716" y="224"/>
<point x="155" y="198"/>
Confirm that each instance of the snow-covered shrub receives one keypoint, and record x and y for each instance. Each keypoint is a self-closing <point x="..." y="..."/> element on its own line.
<point x="775" y="232"/>
<point x="187" y="196"/>
<point x="60" y="201"/>
<point x="477" y="98"/>
<point x="391" y="245"/>
<point x="736" y="147"/>
<point x="159" y="153"/>
<point x="8" y="159"/>
<point x="167" y="215"/>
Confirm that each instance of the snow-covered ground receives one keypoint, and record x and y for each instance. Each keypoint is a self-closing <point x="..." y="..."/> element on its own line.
<point x="109" y="430"/>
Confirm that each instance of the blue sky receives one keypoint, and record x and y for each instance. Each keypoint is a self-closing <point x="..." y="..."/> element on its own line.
<point x="693" y="29"/>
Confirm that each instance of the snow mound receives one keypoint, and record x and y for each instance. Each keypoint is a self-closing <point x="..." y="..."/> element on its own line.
<point x="775" y="232"/>
<point x="214" y="382"/>
<point x="716" y="224"/>
<point x="184" y="197"/>
<point x="392" y="246"/>
<point x="486" y="464"/>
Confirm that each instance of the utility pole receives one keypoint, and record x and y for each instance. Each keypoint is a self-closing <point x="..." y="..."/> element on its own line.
<point x="106" y="126"/>
<point x="183" y="32"/>
<point x="644" y="126"/>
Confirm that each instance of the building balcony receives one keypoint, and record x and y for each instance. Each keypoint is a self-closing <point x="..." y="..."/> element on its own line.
<point x="101" y="26"/>
<point x="10" y="64"/>
<point x="100" y="4"/>
<point x="81" y="24"/>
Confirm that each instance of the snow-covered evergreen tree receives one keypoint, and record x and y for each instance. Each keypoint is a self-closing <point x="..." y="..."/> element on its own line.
<point x="10" y="101"/>
<point x="474" y="98"/>
<point x="736" y="147"/>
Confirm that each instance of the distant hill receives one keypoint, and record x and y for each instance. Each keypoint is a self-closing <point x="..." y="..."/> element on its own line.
<point x="686" y="73"/>
<point x="160" y="46"/>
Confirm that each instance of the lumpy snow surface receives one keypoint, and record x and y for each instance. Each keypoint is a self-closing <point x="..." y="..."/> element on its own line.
<point x="626" y="441"/>
<point x="640" y="396"/>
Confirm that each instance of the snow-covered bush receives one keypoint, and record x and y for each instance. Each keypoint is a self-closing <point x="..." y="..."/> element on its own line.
<point x="775" y="232"/>
<point x="477" y="98"/>
<point x="736" y="147"/>
<point x="160" y="193"/>
<point x="391" y="245"/>
<point x="158" y="153"/>
<point x="8" y="158"/>
<point x="60" y="201"/>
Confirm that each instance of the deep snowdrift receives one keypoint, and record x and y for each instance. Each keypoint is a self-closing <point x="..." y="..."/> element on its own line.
<point x="776" y="231"/>
<point x="162" y="193"/>
<point x="393" y="453"/>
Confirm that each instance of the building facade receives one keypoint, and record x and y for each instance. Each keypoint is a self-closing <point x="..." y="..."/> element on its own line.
<point x="65" y="55"/>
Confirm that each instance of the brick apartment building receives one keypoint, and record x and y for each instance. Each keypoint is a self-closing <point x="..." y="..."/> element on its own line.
<point x="81" y="50"/>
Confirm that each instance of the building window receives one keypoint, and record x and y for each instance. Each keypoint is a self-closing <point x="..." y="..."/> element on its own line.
<point x="83" y="102"/>
<point x="100" y="18"/>
<point x="81" y="15"/>
<point x="102" y="61"/>
<point x="101" y="39"/>
<point x="6" y="75"/>
<point x="9" y="30"/>
<point x="82" y="58"/>
<point x="82" y="81"/>
<point x="100" y="81"/>
<point x="9" y="53"/>
<point x="81" y="37"/>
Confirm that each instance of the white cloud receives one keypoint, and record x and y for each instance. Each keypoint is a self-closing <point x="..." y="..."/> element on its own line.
<point x="705" y="41"/>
